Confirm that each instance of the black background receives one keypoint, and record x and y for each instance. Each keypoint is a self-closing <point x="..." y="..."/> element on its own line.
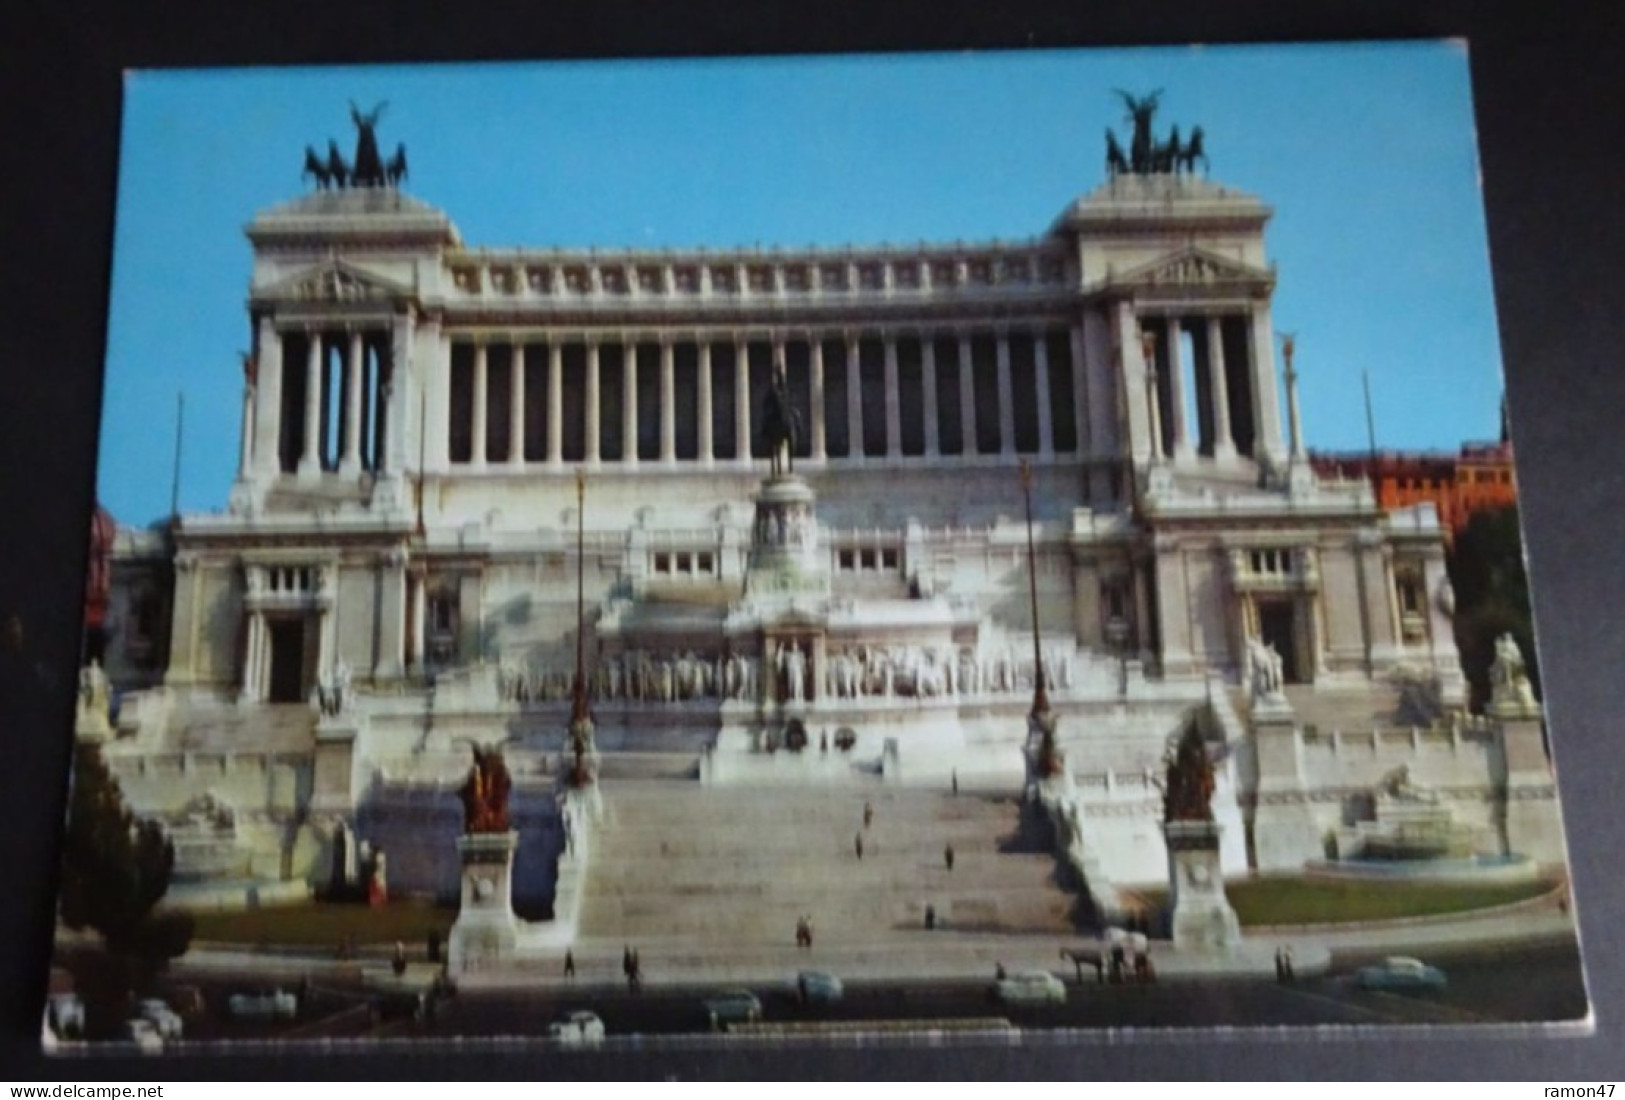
<point x="1550" y="103"/>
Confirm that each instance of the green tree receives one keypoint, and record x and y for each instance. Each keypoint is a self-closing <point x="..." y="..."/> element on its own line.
<point x="116" y="867"/>
<point x="1492" y="597"/>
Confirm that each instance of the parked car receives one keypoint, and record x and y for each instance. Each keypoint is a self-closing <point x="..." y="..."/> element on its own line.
<point x="1400" y="972"/>
<point x="1027" y="987"/>
<point x="144" y="1035"/>
<point x="66" y="1014"/>
<point x="404" y="1003"/>
<point x="817" y="987"/>
<point x="270" y="1004"/>
<point x="161" y="1017"/>
<point x="578" y="1028"/>
<point x="733" y="1006"/>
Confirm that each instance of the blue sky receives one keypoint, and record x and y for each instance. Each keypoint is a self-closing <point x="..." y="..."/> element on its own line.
<point x="1366" y="153"/>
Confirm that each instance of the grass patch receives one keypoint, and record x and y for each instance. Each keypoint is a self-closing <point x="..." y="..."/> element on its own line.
<point x="325" y="925"/>
<point x="1283" y="900"/>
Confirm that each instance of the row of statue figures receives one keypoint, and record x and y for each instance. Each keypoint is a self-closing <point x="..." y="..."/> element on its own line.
<point x="369" y="168"/>
<point x="852" y="672"/>
<point x="783" y="527"/>
<point x="1146" y="155"/>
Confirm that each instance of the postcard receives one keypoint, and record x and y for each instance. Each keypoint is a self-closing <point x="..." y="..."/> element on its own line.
<point x="968" y="547"/>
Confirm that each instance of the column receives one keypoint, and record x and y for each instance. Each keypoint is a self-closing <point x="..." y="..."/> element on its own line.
<point x="629" y="401"/>
<point x="1091" y="395"/>
<point x="854" y="398"/>
<point x="742" y="399"/>
<point x="245" y="447"/>
<point x="392" y="595"/>
<point x="555" y="403"/>
<point x="516" y="405"/>
<point x="928" y="382"/>
<point x="815" y="362"/>
<point x="354" y="369"/>
<point x="435" y="376"/>
<point x="967" y="397"/>
<point x="590" y="428"/>
<point x="268" y="399"/>
<point x="1267" y="443"/>
<point x="707" y="439"/>
<point x="1046" y="414"/>
<point x="251" y="653"/>
<point x="1176" y="388"/>
<point x="1224" y="446"/>
<point x="397" y="396"/>
<point x="894" y="419"/>
<point x="420" y="611"/>
<point x="668" y="402"/>
<point x="310" y="461"/>
<point x="1007" y="399"/>
<point x="481" y="388"/>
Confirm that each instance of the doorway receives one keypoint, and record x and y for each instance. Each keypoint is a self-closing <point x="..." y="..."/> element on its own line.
<point x="1277" y="626"/>
<point x="287" y="660"/>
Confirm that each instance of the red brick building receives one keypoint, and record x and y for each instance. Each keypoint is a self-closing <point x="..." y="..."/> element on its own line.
<point x="1478" y="477"/>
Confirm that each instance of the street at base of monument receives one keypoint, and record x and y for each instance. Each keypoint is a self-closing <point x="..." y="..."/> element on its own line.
<point x="1487" y="985"/>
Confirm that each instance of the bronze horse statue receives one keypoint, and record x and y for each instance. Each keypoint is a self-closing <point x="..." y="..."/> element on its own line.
<point x="337" y="170"/>
<point x="1116" y="161"/>
<point x="395" y="170"/>
<point x="781" y="424"/>
<point x="316" y="168"/>
<point x="1185" y="159"/>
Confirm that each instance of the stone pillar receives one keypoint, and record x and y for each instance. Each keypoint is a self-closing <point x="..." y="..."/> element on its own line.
<point x="1267" y="443"/>
<point x="854" y="399"/>
<point x="355" y="366"/>
<point x="420" y="612"/>
<point x="390" y="660"/>
<point x="254" y="643"/>
<point x="398" y="404"/>
<point x="555" y="404"/>
<point x="629" y="401"/>
<point x="894" y="394"/>
<point x="482" y="385"/>
<point x="707" y="447"/>
<point x="486" y="932"/>
<point x="310" y="460"/>
<point x="668" y="402"/>
<point x="1176" y="389"/>
<point x="245" y="446"/>
<point x="1202" y="918"/>
<point x="967" y="397"/>
<point x="1131" y="385"/>
<point x="1007" y="399"/>
<point x="434" y="350"/>
<point x="928" y="385"/>
<point x="742" y="399"/>
<point x="815" y="361"/>
<point x="516" y="405"/>
<point x="268" y="400"/>
<point x="591" y="412"/>
<point x="1046" y="414"/>
<point x="1224" y="445"/>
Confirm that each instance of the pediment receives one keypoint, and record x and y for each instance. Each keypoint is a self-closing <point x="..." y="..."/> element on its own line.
<point x="1193" y="267"/>
<point x="334" y="281"/>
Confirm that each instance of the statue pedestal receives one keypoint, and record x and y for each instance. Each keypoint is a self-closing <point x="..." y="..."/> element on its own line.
<point x="785" y="560"/>
<point x="1201" y="916"/>
<point x="487" y="931"/>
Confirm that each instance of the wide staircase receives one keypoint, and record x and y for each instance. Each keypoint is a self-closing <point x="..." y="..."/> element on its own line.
<point x="714" y="880"/>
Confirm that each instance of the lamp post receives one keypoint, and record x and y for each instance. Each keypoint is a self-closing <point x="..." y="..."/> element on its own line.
<point x="1040" y="720"/>
<point x="581" y="727"/>
<point x="1117" y="637"/>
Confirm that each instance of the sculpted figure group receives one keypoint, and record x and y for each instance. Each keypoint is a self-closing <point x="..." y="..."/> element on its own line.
<point x="852" y="672"/>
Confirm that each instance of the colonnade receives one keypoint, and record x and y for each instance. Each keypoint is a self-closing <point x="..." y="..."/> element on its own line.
<point x="667" y="399"/>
